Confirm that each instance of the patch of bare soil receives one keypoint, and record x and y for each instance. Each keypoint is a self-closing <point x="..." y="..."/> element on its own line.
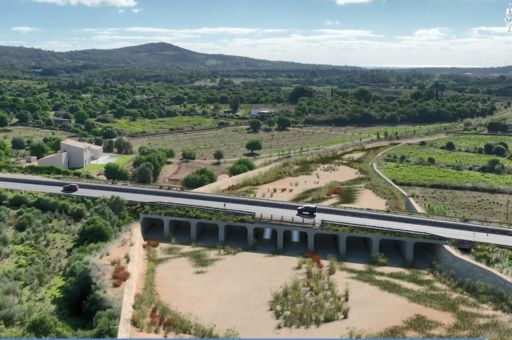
<point x="235" y="293"/>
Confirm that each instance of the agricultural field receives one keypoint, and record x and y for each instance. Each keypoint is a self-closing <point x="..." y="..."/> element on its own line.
<point x="232" y="140"/>
<point x="468" y="205"/>
<point x="459" y="161"/>
<point x="27" y="132"/>
<point x="160" y="125"/>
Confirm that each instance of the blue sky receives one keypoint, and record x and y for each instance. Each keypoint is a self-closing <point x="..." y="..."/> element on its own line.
<point x="340" y="32"/>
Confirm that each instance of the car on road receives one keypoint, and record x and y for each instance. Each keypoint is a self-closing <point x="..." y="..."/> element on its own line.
<point x="307" y="211"/>
<point x="70" y="187"/>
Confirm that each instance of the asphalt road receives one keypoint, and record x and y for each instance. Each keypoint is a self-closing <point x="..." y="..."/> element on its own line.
<point x="447" y="229"/>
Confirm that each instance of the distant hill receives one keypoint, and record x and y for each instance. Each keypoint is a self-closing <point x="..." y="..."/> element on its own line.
<point x="149" y="56"/>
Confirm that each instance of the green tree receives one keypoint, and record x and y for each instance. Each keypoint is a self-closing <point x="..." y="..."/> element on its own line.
<point x="116" y="172"/>
<point x="253" y="145"/>
<point x="199" y="178"/>
<point x="108" y="145"/>
<point x="105" y="324"/>
<point x="144" y="173"/>
<point x="18" y="143"/>
<point x="283" y="123"/>
<point x="95" y="230"/>
<point x="255" y="125"/>
<point x="38" y="149"/>
<point x="4" y="119"/>
<point x="299" y="92"/>
<point x="44" y="325"/>
<point x="234" y="104"/>
<point x="241" y="166"/>
<point x="450" y="146"/>
<point x="218" y="155"/>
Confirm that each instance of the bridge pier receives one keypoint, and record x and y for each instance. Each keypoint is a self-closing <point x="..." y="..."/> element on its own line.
<point x="342" y="245"/>
<point x="222" y="232"/>
<point x="193" y="231"/>
<point x="311" y="241"/>
<point x="250" y="237"/>
<point x="407" y="248"/>
<point x="374" y="246"/>
<point x="280" y="241"/>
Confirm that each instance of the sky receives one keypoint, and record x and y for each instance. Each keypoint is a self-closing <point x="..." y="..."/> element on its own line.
<point x="339" y="32"/>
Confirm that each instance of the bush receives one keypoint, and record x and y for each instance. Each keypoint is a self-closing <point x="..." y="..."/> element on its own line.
<point x="199" y="178"/>
<point x="18" y="143"/>
<point x="255" y="125"/>
<point x="95" y="230"/>
<point x="241" y="166"/>
<point x="77" y="212"/>
<point x="39" y="149"/>
<point x="188" y="155"/>
<point x="144" y="173"/>
<point x="105" y="324"/>
<point x="283" y="123"/>
<point x="43" y="325"/>
<point x="218" y="155"/>
<point x="18" y="200"/>
<point x="115" y="172"/>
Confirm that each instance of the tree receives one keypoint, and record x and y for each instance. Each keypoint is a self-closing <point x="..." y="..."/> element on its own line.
<point x="81" y="117"/>
<point x="109" y="133"/>
<point x="123" y="146"/>
<point x="23" y="117"/>
<point x="241" y="166"/>
<point x="95" y="230"/>
<point x="300" y="92"/>
<point x="255" y="125"/>
<point x="4" y="119"/>
<point x="144" y="173"/>
<point x="115" y="172"/>
<point x="450" y="146"/>
<point x="489" y="148"/>
<point x="234" y="104"/>
<point x="199" y="178"/>
<point x="283" y="123"/>
<point x="105" y="324"/>
<point x="253" y="145"/>
<point x="188" y="155"/>
<point x="38" y="149"/>
<point x="363" y="95"/>
<point x="18" y="143"/>
<point x="218" y="155"/>
<point x="108" y="145"/>
<point x="44" y="325"/>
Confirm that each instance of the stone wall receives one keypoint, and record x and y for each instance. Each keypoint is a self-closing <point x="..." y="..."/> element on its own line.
<point x="468" y="271"/>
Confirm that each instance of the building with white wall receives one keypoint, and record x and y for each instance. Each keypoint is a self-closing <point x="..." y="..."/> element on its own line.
<point x="73" y="155"/>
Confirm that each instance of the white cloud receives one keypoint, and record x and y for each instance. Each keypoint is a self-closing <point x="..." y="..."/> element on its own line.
<point x="92" y="3"/>
<point x="332" y="22"/>
<point x="435" y="46"/>
<point x="24" y="29"/>
<point x="489" y="30"/>
<point x="351" y="2"/>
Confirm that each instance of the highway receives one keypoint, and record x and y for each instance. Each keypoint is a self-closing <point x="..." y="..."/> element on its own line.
<point x="435" y="227"/>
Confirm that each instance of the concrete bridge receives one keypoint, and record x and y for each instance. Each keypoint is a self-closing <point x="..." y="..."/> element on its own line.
<point x="281" y="237"/>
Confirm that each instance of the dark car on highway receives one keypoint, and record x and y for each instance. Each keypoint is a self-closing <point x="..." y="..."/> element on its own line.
<point x="307" y="211"/>
<point x="70" y="188"/>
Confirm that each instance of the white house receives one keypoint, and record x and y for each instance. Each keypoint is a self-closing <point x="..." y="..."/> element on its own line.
<point x="73" y="155"/>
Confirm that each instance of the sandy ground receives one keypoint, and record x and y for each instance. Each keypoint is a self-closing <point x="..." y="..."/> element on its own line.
<point x="367" y="199"/>
<point x="354" y="156"/>
<point x="287" y="188"/>
<point x="235" y="292"/>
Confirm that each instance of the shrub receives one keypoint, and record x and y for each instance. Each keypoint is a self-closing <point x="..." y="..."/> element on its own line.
<point x="95" y="230"/>
<point x="116" y="172"/>
<point x="283" y="123"/>
<point x="188" y="155"/>
<point x="39" y="149"/>
<point x="218" y="155"/>
<point x="18" y="200"/>
<point x="255" y="125"/>
<point x="43" y="325"/>
<point x="241" y="166"/>
<point x="105" y="324"/>
<point x="199" y="178"/>
<point x="144" y="173"/>
<point x="450" y="146"/>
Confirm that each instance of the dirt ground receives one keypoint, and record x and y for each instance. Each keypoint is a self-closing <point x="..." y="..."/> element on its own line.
<point x="287" y="188"/>
<point x="235" y="293"/>
<point x="174" y="173"/>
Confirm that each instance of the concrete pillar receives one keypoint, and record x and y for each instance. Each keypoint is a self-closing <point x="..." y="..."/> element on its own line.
<point x="222" y="232"/>
<point x="374" y="246"/>
<point x="250" y="236"/>
<point x="193" y="231"/>
<point x="311" y="241"/>
<point x="342" y="245"/>
<point x="280" y="245"/>
<point x="407" y="248"/>
<point x="167" y="227"/>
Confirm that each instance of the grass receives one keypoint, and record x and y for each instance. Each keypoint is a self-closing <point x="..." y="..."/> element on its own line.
<point x="468" y="321"/>
<point x="424" y="175"/>
<point x="26" y="132"/>
<point x="469" y="141"/>
<point x="466" y="205"/>
<point x="310" y="298"/>
<point x="95" y="169"/>
<point x="143" y="126"/>
<point x="498" y="258"/>
<point x="344" y="193"/>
